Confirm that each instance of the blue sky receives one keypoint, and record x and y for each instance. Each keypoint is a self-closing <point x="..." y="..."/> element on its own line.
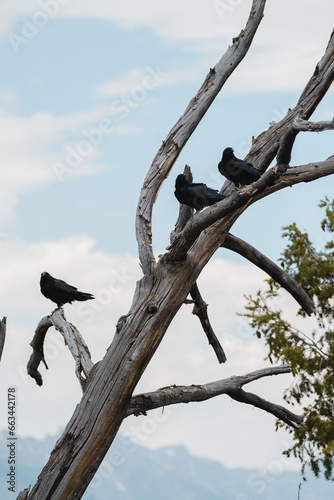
<point x="60" y="78"/>
<point x="87" y="95"/>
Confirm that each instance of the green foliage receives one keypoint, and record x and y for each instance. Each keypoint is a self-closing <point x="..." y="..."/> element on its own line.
<point x="311" y="355"/>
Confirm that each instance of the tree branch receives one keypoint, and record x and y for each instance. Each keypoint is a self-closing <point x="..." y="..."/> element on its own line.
<point x="232" y="206"/>
<point x="23" y="495"/>
<point x="286" y="143"/>
<point x="278" y="411"/>
<point x="72" y="338"/>
<point x="277" y="273"/>
<point x="301" y="173"/>
<point x="231" y="386"/>
<point x="237" y="202"/>
<point x="75" y="343"/>
<point x="3" y="326"/>
<point x="200" y="310"/>
<point x="266" y="145"/>
<point x="185" y="212"/>
<point x="37" y="344"/>
<point x="278" y="138"/>
<point x="299" y="124"/>
<point x="317" y="87"/>
<point x="183" y="129"/>
<point x="302" y="125"/>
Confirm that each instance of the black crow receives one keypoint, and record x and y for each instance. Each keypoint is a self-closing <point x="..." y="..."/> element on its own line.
<point x="60" y="292"/>
<point x="195" y="195"/>
<point x="238" y="171"/>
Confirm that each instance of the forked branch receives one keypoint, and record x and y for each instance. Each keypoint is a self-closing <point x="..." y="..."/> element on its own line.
<point x="301" y="173"/>
<point x="228" y="210"/>
<point x="232" y="386"/>
<point x="72" y="338"/>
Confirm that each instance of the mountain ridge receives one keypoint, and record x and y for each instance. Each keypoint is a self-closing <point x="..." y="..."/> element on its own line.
<point x="132" y="472"/>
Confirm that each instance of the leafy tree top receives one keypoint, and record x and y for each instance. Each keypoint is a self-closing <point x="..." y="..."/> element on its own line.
<point x="311" y="355"/>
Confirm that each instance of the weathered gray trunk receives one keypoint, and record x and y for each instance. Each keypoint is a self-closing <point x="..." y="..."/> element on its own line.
<point x="99" y="415"/>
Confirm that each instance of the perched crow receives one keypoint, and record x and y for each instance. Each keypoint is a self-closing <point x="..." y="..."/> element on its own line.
<point x="238" y="171"/>
<point x="60" y="292"/>
<point x="195" y="195"/>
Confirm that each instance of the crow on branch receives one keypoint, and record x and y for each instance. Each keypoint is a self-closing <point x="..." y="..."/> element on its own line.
<point x="60" y="292"/>
<point x="195" y="195"/>
<point x="238" y="171"/>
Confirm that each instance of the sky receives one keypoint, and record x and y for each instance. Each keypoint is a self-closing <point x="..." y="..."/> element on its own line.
<point x="88" y="91"/>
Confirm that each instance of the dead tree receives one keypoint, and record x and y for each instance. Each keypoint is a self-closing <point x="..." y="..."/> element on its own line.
<point x="108" y="389"/>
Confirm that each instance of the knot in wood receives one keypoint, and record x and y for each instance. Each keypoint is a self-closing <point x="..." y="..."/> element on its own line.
<point x="152" y="308"/>
<point x="120" y="323"/>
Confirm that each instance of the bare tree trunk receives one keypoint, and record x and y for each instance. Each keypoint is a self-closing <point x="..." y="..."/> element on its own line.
<point x="166" y="283"/>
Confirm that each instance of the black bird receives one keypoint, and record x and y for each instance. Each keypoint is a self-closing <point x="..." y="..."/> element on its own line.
<point x="60" y="292"/>
<point x="238" y="171"/>
<point x="195" y="195"/>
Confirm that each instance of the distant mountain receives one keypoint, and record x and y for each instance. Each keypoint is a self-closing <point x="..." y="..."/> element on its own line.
<point x="132" y="472"/>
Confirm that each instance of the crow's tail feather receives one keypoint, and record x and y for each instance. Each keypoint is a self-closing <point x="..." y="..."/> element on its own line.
<point x="84" y="296"/>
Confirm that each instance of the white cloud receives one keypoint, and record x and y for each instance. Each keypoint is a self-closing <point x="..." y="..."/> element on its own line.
<point x="136" y="85"/>
<point x="190" y="20"/>
<point x="125" y="85"/>
<point x="283" y="54"/>
<point x="35" y="150"/>
<point x="193" y="21"/>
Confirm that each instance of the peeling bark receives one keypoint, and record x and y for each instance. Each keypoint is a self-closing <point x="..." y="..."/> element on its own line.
<point x="72" y="338"/>
<point x="37" y="356"/>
